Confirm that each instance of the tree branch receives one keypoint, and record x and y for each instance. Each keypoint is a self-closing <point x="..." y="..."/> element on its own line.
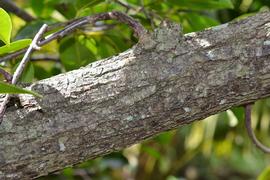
<point x="250" y="132"/>
<point x="19" y="70"/>
<point x="11" y="7"/>
<point x="165" y="81"/>
<point x="138" y="29"/>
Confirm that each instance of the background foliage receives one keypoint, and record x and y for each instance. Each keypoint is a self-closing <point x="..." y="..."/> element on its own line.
<point x="216" y="148"/>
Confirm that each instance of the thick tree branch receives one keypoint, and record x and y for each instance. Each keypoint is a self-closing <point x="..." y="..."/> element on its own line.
<point x="165" y="81"/>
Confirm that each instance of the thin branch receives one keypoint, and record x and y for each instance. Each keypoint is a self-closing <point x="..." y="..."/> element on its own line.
<point x="42" y="57"/>
<point x="147" y="15"/>
<point x="11" y="7"/>
<point x="138" y="9"/>
<point x="7" y="76"/>
<point x="135" y="25"/>
<point x="33" y="46"/>
<point x="13" y="55"/>
<point x="21" y="67"/>
<point x="125" y="5"/>
<point x="61" y="24"/>
<point x="139" y="30"/>
<point x="251" y="132"/>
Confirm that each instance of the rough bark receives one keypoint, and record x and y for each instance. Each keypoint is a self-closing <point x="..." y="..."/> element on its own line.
<point x="165" y="81"/>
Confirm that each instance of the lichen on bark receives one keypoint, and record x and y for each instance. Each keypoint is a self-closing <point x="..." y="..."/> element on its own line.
<point x="165" y="81"/>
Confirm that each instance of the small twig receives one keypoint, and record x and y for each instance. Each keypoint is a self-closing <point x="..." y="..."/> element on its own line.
<point x="33" y="46"/>
<point x="147" y="14"/>
<point x="125" y="5"/>
<point x="21" y="67"/>
<point x="135" y="25"/>
<point x="97" y="27"/>
<point x="11" y="7"/>
<point x="128" y="7"/>
<point x="251" y="132"/>
<point x="42" y="57"/>
<point x="7" y="76"/>
<point x="62" y="24"/>
<point x="13" y="55"/>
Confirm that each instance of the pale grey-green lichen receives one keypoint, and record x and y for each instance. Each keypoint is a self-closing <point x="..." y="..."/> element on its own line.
<point x="129" y="118"/>
<point x="6" y="126"/>
<point x="61" y="143"/>
<point x="138" y="95"/>
<point x="223" y="101"/>
<point x="187" y="109"/>
<point x="266" y="43"/>
<point x="210" y="54"/>
<point x="241" y="70"/>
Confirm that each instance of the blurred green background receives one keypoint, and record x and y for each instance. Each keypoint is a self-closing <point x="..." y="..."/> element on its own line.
<point x="215" y="148"/>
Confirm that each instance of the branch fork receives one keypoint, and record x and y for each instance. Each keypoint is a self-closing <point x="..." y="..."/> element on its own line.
<point x="18" y="72"/>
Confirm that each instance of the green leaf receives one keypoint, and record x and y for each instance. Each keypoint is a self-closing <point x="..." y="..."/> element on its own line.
<point x="265" y="174"/>
<point x="81" y="4"/>
<point x="164" y="138"/>
<point x="67" y="9"/>
<point x="29" y="30"/>
<point x="73" y="54"/>
<point x="198" y="22"/>
<point x="106" y="46"/>
<point x="238" y="112"/>
<point x="41" y="8"/>
<point x="40" y="70"/>
<point x="202" y="5"/>
<point x="14" y="46"/>
<point x="5" y="26"/>
<point x="37" y="7"/>
<point x="68" y="172"/>
<point x="28" y="73"/>
<point x="151" y="151"/>
<point x="11" y="89"/>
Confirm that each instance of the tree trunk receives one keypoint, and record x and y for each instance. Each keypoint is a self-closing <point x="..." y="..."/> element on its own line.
<point x="165" y="81"/>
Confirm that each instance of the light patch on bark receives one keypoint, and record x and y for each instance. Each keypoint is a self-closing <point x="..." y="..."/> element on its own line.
<point x="203" y="42"/>
<point x="223" y="101"/>
<point x="61" y="143"/>
<point x="187" y="109"/>
<point x="267" y="27"/>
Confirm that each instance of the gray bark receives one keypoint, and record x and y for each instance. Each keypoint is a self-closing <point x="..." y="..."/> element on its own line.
<point x="165" y="81"/>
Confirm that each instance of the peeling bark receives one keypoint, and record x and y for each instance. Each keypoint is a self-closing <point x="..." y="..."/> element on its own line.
<point x="165" y="81"/>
